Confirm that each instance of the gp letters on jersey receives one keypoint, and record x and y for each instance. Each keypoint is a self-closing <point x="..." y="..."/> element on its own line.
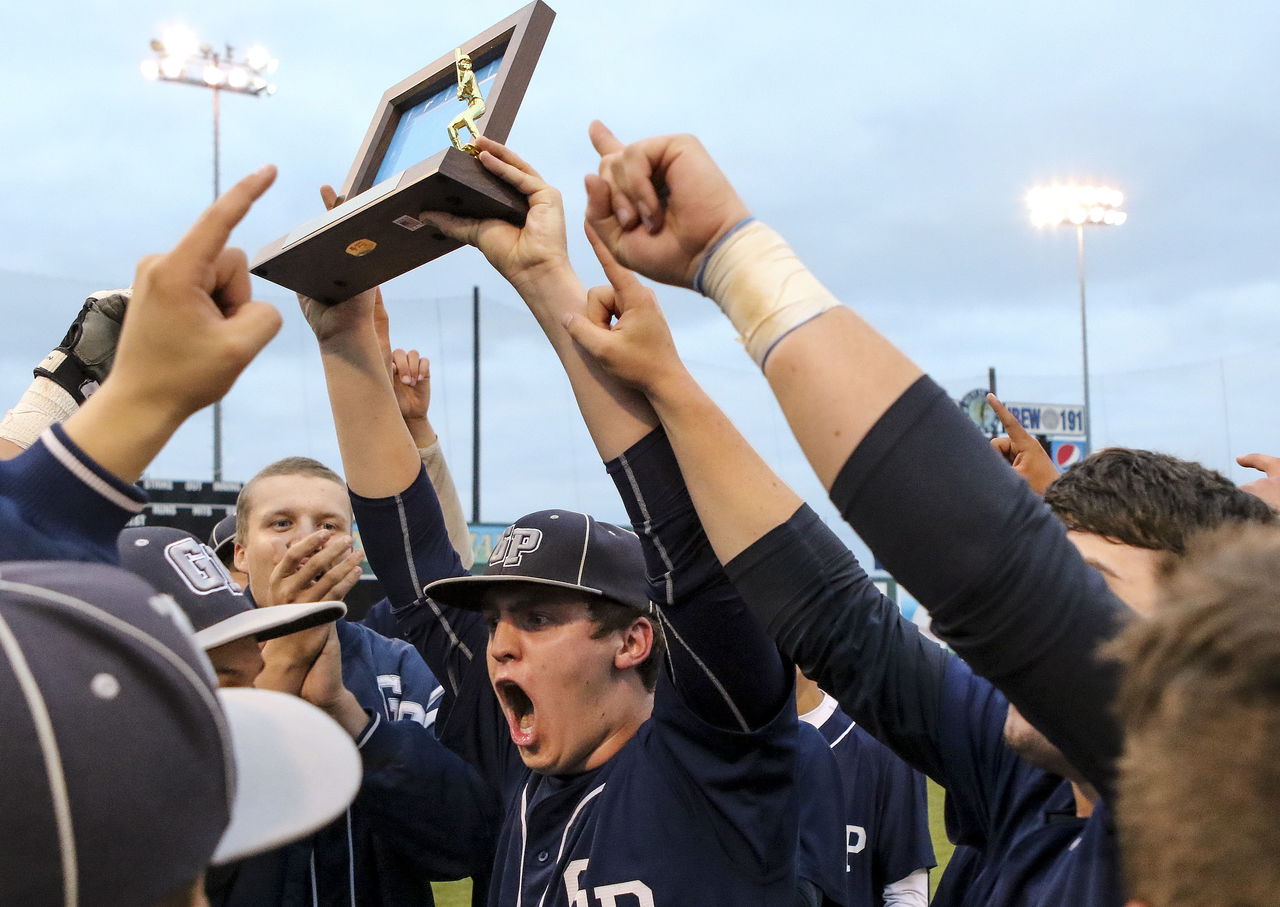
<point x="398" y="708"/>
<point x="620" y="894"/>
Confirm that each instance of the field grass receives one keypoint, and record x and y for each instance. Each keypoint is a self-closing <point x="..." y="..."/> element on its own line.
<point x="937" y="829"/>
<point x="458" y="894"/>
<point x="452" y="894"/>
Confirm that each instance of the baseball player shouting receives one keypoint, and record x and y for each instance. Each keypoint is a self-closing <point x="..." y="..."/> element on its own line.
<point x="626" y="784"/>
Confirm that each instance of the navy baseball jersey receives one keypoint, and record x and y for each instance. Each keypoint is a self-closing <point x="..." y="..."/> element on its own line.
<point x="821" y="857"/>
<point x="884" y="813"/>
<point x="1019" y="840"/>
<point x="422" y="813"/>
<point x="699" y="806"/>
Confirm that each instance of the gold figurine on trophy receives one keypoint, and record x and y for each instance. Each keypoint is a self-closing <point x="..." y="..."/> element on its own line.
<point x="468" y="91"/>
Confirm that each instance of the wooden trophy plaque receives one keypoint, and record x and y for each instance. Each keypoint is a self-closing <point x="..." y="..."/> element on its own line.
<point x="413" y="159"/>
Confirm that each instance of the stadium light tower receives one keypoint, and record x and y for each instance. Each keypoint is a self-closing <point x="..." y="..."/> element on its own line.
<point x="181" y="57"/>
<point x="1072" y="205"/>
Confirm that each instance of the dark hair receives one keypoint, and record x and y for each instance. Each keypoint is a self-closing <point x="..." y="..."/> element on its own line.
<point x="611" y="616"/>
<point x="1198" y="808"/>
<point x="1149" y="500"/>
<point x="289" y="466"/>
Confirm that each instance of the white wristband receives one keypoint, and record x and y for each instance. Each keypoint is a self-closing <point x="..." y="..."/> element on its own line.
<point x="763" y="287"/>
<point x="42" y="404"/>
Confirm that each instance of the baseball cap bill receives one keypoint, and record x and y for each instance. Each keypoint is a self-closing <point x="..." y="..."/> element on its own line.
<point x="179" y="564"/>
<point x="557" y="548"/>
<point x="125" y="769"/>
<point x="223" y="536"/>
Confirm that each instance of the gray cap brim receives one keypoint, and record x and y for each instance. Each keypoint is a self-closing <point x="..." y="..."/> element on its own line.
<point x="269" y="623"/>
<point x="471" y="592"/>
<point x="296" y="771"/>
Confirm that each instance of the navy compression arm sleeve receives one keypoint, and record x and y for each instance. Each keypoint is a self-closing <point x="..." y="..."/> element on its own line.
<point x="1005" y="588"/>
<point x="725" y="666"/>
<point x="827" y="616"/>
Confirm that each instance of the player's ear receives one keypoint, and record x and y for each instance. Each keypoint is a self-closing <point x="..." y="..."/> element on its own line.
<point x="635" y="645"/>
<point x="240" y="559"/>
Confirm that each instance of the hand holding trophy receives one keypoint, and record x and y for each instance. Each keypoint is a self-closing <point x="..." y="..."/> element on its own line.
<point x="414" y="159"/>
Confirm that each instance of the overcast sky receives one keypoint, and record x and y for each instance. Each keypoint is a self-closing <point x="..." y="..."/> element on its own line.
<point x="892" y="143"/>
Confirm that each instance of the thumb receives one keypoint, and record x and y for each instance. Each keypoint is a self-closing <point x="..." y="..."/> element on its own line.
<point x="252" y="326"/>
<point x="463" y="229"/>
<point x="591" y="337"/>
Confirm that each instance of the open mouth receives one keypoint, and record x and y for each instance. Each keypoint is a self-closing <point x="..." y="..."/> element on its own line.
<point x="518" y="708"/>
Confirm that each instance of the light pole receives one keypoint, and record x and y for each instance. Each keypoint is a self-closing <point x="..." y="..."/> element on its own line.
<point x="181" y="57"/>
<point x="1078" y="206"/>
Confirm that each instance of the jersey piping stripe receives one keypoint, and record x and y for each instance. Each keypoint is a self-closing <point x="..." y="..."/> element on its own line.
<point x="52" y="763"/>
<point x="433" y="704"/>
<point x="351" y="862"/>
<point x="564" y="838"/>
<point x="666" y="560"/>
<point x="73" y="464"/>
<point x="524" y="842"/>
<point x="715" y="681"/>
<point x="647" y="528"/>
<point x="408" y="548"/>
<point x="368" y="732"/>
<point x="841" y="737"/>
<point x="454" y="641"/>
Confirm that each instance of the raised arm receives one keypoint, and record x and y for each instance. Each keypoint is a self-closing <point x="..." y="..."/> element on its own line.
<point x="402" y="528"/>
<point x="687" y="580"/>
<point x="801" y="583"/>
<point x="703" y="237"/>
<point x="192" y="329"/>
<point x="410" y="375"/>
<point x="535" y="260"/>
<point x="1004" y="586"/>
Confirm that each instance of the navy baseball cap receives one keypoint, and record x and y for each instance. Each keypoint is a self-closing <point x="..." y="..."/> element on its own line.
<point x="126" y="770"/>
<point x="223" y="536"/>
<point x="177" y="563"/>
<point x="557" y="548"/>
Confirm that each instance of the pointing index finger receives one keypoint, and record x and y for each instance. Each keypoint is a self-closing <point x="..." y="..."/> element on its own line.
<point x="1261" y="462"/>
<point x="621" y="278"/>
<point x="1013" y="428"/>
<point x="211" y="232"/>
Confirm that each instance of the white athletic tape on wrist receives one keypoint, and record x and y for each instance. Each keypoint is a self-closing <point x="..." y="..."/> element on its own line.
<point x="762" y="286"/>
<point x="43" y="403"/>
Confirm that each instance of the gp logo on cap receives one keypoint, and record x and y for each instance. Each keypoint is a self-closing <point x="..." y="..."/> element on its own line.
<point x="198" y="566"/>
<point x="514" y="544"/>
